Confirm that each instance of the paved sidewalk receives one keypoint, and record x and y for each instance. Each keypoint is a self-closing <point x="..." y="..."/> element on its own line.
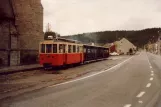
<point x="12" y="69"/>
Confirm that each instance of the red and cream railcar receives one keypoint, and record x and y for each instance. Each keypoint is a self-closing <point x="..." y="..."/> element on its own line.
<point x="58" y="53"/>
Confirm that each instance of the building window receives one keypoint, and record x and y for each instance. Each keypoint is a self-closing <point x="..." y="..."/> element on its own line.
<point x="48" y="48"/>
<point x="54" y="48"/>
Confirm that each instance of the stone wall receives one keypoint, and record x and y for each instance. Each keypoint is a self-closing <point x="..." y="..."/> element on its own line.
<point x="4" y="34"/>
<point x="29" y="21"/>
<point x="8" y="43"/>
<point x="29" y="24"/>
<point x="3" y="58"/>
<point x="15" y="58"/>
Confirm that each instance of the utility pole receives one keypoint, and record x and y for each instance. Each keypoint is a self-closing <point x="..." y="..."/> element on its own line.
<point x="48" y="28"/>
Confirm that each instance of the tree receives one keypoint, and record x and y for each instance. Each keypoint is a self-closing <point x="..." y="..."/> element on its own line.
<point x="49" y="33"/>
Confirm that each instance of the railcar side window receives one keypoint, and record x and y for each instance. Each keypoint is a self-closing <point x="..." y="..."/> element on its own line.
<point x="54" y="48"/>
<point x="48" y="48"/>
<point x="69" y="48"/>
<point x="61" y="48"/>
<point x="42" y="48"/>
<point x="64" y="48"/>
<point x="74" y="48"/>
<point x="78" y="48"/>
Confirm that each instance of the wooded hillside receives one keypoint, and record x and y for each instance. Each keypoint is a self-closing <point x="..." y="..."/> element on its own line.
<point x="139" y="38"/>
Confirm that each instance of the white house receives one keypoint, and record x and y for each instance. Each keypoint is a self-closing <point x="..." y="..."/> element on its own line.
<point x="124" y="45"/>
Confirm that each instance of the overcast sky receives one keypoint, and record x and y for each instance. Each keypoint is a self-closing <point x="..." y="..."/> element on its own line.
<point x="78" y="16"/>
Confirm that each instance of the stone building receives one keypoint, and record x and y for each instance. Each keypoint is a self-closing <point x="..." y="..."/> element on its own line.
<point x="21" y="30"/>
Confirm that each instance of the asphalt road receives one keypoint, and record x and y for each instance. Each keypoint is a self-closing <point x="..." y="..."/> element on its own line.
<point x="134" y="82"/>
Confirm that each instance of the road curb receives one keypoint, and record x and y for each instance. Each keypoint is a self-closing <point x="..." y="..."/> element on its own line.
<point x="18" y="70"/>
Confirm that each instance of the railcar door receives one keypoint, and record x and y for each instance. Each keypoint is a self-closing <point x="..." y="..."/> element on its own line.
<point x="85" y="53"/>
<point x="62" y="54"/>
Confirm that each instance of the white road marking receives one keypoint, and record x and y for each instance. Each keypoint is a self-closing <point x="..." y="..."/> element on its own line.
<point x="140" y="94"/>
<point x="151" y="79"/>
<point x="140" y="102"/>
<point x="152" y="74"/>
<point x="127" y="105"/>
<point x="148" y="85"/>
<point x="92" y="75"/>
<point x="152" y="71"/>
<point x="148" y="60"/>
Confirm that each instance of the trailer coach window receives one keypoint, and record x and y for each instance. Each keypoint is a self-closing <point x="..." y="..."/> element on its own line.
<point x="42" y="48"/>
<point x="48" y="48"/>
<point x="54" y="48"/>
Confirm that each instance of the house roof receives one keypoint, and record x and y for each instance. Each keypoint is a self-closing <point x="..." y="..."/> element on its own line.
<point x="125" y="40"/>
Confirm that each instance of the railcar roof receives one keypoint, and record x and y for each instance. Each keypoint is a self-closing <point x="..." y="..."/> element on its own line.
<point x="65" y="42"/>
<point x="95" y="46"/>
<point x="59" y="42"/>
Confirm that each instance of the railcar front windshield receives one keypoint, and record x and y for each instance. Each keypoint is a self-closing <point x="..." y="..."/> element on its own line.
<point x="42" y="48"/>
<point x="48" y="48"/>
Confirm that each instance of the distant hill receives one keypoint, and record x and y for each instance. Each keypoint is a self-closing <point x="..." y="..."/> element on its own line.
<point x="138" y="38"/>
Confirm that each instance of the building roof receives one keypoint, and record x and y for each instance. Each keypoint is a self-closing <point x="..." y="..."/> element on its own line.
<point x="123" y="40"/>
